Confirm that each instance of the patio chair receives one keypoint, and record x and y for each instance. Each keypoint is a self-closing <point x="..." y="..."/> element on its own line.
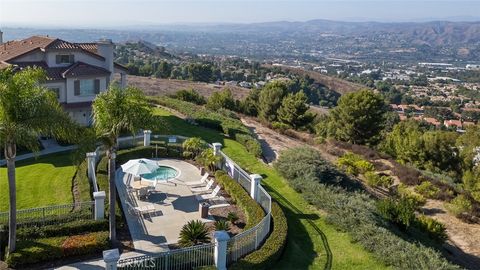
<point x="140" y="210"/>
<point x="210" y="196"/>
<point x="144" y="193"/>
<point x="204" y="189"/>
<point x="202" y="181"/>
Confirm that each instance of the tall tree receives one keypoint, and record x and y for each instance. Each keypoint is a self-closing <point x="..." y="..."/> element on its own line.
<point x="27" y="110"/>
<point x="114" y="111"/>
<point x="359" y="117"/>
<point x="293" y="110"/>
<point x="270" y="100"/>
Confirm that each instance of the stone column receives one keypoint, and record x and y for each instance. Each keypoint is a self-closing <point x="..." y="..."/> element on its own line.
<point x="220" y="255"/>
<point x="91" y="160"/>
<point x="146" y="137"/>
<point x="123" y="80"/>
<point x="99" y="197"/>
<point x="111" y="257"/>
<point x="255" y="181"/>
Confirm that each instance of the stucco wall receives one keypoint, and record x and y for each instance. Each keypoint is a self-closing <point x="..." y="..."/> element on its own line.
<point x="63" y="92"/>
<point x="71" y="98"/>
<point x="78" y="57"/>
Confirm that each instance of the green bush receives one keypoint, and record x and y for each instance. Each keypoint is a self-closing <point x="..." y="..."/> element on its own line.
<point x="400" y="211"/>
<point x="280" y="127"/>
<point x="232" y="217"/>
<point x="460" y="205"/>
<point x="65" y="229"/>
<point x="417" y="199"/>
<point x="354" y="164"/>
<point x="355" y="213"/>
<point x="271" y="250"/>
<point x="376" y="180"/>
<point x="190" y="95"/>
<point x="253" y="211"/>
<point x="44" y="250"/>
<point x="222" y="225"/>
<point x="434" y="228"/>
<point x="428" y="190"/>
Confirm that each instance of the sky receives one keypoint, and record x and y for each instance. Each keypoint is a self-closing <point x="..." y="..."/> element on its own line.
<point x="118" y="13"/>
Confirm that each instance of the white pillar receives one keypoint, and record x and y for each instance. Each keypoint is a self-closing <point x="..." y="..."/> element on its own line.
<point x="111" y="257"/>
<point x="91" y="160"/>
<point x="99" y="197"/>
<point x="123" y="80"/>
<point x="220" y="255"/>
<point x="146" y="137"/>
<point x="216" y="148"/>
<point x="255" y="180"/>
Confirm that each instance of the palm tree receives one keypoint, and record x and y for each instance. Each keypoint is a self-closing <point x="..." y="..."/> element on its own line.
<point x="208" y="159"/>
<point x="193" y="233"/>
<point x="27" y="111"/>
<point x="114" y="111"/>
<point x="192" y="147"/>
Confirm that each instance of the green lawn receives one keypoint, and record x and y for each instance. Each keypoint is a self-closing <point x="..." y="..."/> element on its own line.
<point x="312" y="244"/>
<point x="43" y="181"/>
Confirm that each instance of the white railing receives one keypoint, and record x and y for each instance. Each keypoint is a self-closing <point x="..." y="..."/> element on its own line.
<point x="203" y="255"/>
<point x="50" y="215"/>
<point x="185" y="258"/>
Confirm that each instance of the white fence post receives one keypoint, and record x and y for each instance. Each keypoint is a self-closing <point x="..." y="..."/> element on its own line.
<point x="111" y="257"/>
<point x="146" y="137"/>
<point x="99" y="204"/>
<point x="254" y="185"/>
<point x="216" y="148"/>
<point x="91" y="160"/>
<point x="220" y="255"/>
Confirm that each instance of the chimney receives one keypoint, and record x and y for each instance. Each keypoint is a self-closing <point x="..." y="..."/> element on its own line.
<point x="105" y="49"/>
<point x="1" y="37"/>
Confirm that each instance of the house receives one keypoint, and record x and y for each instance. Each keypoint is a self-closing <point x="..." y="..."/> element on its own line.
<point x="453" y="123"/>
<point x="76" y="72"/>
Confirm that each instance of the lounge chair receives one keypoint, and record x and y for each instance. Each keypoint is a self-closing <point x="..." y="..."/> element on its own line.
<point x="144" y="192"/>
<point x="202" y="181"/>
<point x="210" y="196"/>
<point x="140" y="210"/>
<point x="203" y="189"/>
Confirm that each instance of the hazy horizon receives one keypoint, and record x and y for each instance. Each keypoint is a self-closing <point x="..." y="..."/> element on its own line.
<point x="107" y="14"/>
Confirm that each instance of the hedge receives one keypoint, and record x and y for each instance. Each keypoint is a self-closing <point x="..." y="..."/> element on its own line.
<point x="222" y="120"/>
<point x="54" y="248"/>
<point x="355" y="213"/>
<point x="253" y="211"/>
<point x="66" y="229"/>
<point x="272" y="249"/>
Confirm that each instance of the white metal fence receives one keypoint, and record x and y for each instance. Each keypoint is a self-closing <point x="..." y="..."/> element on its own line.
<point x="179" y="259"/>
<point x="50" y="215"/>
<point x="203" y="255"/>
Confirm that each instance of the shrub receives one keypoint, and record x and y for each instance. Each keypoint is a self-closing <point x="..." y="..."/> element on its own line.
<point x="53" y="248"/>
<point x="222" y="225"/>
<point x="355" y="213"/>
<point x="428" y="190"/>
<point x="232" y="217"/>
<point x="400" y="211"/>
<point x="192" y="147"/>
<point x="460" y="205"/>
<point x="65" y="229"/>
<point x="271" y="250"/>
<point x="208" y="159"/>
<point x="416" y="199"/>
<point x="354" y="164"/>
<point x="406" y="175"/>
<point x="376" y="180"/>
<point x="193" y="233"/>
<point x="434" y="228"/>
<point x="190" y="95"/>
<point x="280" y="127"/>
<point x="253" y="212"/>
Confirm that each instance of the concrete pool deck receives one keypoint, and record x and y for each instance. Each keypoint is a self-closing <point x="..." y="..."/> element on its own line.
<point x="174" y="204"/>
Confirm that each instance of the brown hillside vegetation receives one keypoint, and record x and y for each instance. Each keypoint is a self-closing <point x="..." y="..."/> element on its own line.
<point x="162" y="87"/>
<point x="335" y="84"/>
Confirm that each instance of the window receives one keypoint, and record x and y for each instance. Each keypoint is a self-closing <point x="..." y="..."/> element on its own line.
<point x="64" y="58"/>
<point x="56" y="90"/>
<point x="86" y="87"/>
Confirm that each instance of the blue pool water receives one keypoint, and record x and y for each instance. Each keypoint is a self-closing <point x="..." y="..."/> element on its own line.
<point x="162" y="173"/>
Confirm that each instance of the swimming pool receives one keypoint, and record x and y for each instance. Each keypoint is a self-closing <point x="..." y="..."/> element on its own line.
<point x="162" y="173"/>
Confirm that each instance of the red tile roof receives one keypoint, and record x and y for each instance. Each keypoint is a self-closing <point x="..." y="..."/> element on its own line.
<point x="83" y="69"/>
<point x="451" y="123"/>
<point x="13" y="49"/>
<point x="76" y="105"/>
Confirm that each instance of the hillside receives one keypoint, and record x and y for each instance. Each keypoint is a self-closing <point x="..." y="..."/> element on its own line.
<point x="161" y="87"/>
